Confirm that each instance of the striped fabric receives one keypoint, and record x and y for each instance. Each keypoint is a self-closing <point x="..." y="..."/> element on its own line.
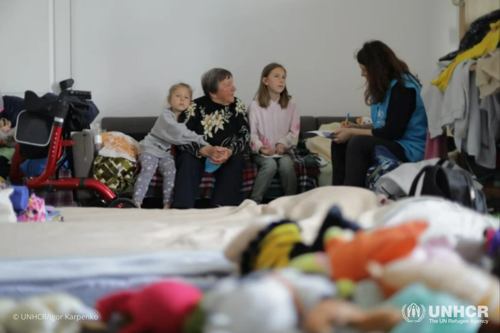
<point x="306" y="169"/>
<point x="58" y="198"/>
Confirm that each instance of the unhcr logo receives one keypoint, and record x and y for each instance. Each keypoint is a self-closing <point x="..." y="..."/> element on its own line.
<point x="446" y="314"/>
<point x="413" y="313"/>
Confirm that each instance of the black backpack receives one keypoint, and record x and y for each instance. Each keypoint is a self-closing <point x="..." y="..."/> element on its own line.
<point x="457" y="185"/>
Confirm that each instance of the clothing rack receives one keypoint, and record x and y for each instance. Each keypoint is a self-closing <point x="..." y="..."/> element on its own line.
<point x="471" y="10"/>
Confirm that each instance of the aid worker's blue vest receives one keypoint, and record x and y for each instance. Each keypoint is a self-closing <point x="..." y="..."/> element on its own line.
<point x="413" y="140"/>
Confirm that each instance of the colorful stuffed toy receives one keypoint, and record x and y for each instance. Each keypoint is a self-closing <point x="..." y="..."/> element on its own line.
<point x="463" y="281"/>
<point x="423" y="297"/>
<point x="348" y="249"/>
<point x="364" y="120"/>
<point x="349" y="258"/>
<point x="35" y="210"/>
<point x="279" y="301"/>
<point x="160" y="307"/>
<point x="395" y="316"/>
<point x="266" y="302"/>
<point x="272" y="243"/>
<point x="51" y="214"/>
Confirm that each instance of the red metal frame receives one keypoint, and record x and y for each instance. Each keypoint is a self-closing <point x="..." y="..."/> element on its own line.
<point x="57" y="143"/>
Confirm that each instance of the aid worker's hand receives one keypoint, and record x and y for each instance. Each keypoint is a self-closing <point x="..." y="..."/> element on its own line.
<point x="342" y="135"/>
<point x="350" y="125"/>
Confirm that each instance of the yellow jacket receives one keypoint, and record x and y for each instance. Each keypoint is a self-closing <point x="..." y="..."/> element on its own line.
<point x="489" y="43"/>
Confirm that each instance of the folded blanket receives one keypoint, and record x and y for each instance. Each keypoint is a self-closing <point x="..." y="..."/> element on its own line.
<point x="320" y="145"/>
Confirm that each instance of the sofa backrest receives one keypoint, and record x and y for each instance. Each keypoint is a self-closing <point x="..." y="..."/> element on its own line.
<point x="139" y="127"/>
<point x="136" y="127"/>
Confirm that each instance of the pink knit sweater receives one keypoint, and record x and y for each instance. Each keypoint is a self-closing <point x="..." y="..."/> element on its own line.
<point x="273" y="125"/>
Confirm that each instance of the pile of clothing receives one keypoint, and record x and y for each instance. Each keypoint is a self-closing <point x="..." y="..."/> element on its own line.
<point x="465" y="95"/>
<point x="20" y="170"/>
<point x="17" y="205"/>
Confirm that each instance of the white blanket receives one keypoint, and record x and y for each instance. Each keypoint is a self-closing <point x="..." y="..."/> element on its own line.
<point x="107" y="232"/>
<point x="104" y="232"/>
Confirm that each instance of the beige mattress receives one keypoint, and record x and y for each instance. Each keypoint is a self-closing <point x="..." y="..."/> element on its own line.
<point x="104" y="232"/>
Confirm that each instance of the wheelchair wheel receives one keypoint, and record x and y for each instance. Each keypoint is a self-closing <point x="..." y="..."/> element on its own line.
<point x="122" y="203"/>
<point x="97" y="203"/>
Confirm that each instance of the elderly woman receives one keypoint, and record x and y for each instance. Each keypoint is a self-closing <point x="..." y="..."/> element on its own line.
<point x="221" y="119"/>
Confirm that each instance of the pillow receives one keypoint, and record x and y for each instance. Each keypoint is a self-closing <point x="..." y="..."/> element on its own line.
<point x="320" y="145"/>
<point x="116" y="144"/>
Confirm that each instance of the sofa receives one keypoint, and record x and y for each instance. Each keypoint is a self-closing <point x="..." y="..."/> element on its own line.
<point x="139" y="127"/>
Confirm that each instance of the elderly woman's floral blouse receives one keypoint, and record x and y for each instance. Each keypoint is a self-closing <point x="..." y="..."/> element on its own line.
<point x="221" y="125"/>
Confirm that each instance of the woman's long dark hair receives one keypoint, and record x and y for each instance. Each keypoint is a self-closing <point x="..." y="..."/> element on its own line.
<point x="382" y="66"/>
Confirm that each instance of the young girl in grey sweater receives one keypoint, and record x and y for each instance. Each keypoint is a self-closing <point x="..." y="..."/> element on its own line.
<point x="156" y="148"/>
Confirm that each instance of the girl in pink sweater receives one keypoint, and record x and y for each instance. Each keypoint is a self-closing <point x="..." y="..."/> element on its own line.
<point x="275" y="127"/>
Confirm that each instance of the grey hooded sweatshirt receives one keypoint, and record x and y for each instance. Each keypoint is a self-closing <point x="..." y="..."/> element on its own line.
<point x="167" y="132"/>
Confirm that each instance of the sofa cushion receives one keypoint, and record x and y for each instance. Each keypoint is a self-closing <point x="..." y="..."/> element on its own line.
<point x="320" y="145"/>
<point x="307" y="123"/>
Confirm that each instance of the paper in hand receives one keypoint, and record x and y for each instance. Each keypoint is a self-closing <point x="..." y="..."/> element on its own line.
<point x="325" y="134"/>
<point x="271" y="156"/>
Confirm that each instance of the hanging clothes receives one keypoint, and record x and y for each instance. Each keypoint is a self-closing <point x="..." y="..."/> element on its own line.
<point x="437" y="147"/>
<point x="483" y="130"/>
<point x="489" y="43"/>
<point x="488" y="74"/>
<point x="452" y="106"/>
<point x="475" y="34"/>
<point x="490" y="133"/>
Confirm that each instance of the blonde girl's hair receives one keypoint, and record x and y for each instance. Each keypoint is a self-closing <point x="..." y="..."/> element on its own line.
<point x="178" y="85"/>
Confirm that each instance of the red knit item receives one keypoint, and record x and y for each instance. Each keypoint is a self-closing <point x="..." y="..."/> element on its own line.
<point x="158" y="308"/>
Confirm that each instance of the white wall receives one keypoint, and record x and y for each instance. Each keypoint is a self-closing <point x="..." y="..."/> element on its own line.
<point x="477" y="8"/>
<point x="27" y="41"/>
<point x="129" y="52"/>
<point x="442" y="23"/>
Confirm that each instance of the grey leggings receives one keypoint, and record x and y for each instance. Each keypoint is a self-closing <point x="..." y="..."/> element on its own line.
<point x="149" y="164"/>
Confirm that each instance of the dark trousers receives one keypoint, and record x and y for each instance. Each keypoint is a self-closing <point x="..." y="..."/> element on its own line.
<point x="229" y="178"/>
<point x="351" y="160"/>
